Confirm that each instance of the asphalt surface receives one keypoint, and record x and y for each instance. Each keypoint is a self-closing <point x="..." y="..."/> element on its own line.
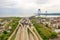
<point x="25" y="31"/>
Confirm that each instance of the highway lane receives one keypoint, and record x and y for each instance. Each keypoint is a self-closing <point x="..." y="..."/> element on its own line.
<point x="35" y="36"/>
<point x="31" y="37"/>
<point x="18" y="33"/>
<point x="14" y="30"/>
<point x="22" y="33"/>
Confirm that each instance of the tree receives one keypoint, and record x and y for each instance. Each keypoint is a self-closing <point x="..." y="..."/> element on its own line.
<point x="5" y="32"/>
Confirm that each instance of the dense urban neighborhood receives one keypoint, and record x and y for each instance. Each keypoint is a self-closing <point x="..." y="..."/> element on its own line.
<point x="29" y="28"/>
<point x="7" y="26"/>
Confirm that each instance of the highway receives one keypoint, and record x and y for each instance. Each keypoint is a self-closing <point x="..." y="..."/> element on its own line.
<point x="26" y="31"/>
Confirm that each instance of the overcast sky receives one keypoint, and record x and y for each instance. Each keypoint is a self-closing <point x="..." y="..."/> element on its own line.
<point x="27" y="7"/>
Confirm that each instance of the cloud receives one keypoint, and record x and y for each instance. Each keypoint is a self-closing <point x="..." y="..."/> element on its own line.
<point x="41" y="1"/>
<point x="28" y="6"/>
<point x="15" y="12"/>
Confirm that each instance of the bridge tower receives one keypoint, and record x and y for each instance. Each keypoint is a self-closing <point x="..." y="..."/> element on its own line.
<point x="46" y="12"/>
<point x="39" y="11"/>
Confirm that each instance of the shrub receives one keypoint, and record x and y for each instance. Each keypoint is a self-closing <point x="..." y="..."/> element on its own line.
<point x="53" y="34"/>
<point x="44" y="31"/>
<point x="5" y="32"/>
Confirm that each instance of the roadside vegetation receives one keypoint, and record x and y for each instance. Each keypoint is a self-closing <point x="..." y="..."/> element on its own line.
<point x="44" y="31"/>
<point x="13" y="37"/>
<point x="13" y="24"/>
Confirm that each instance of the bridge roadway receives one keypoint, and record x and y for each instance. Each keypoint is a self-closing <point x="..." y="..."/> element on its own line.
<point x="25" y="31"/>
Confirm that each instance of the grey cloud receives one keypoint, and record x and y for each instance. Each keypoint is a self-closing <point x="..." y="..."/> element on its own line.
<point x="7" y="3"/>
<point x="15" y="12"/>
<point x="41" y="1"/>
<point x="23" y="7"/>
